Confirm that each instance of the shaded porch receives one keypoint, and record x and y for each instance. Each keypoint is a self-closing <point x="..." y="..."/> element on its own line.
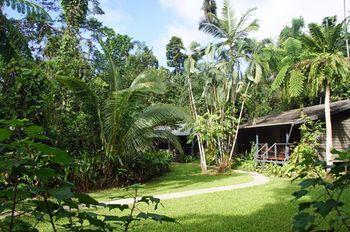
<point x="275" y="153"/>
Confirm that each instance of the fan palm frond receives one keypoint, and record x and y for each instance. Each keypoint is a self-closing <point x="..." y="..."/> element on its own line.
<point x="150" y="81"/>
<point x="212" y="29"/>
<point x="137" y="138"/>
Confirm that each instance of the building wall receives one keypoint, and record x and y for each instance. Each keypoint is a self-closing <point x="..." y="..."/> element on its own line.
<point x="270" y="135"/>
<point x="341" y="131"/>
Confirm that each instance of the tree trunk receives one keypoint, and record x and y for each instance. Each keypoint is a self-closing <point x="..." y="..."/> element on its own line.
<point x="203" y="161"/>
<point x="329" y="139"/>
<point x="238" y="124"/>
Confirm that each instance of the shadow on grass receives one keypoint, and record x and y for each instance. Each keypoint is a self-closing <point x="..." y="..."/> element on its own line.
<point x="263" y="208"/>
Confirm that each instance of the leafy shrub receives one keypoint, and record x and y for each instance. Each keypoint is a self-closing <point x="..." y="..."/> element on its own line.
<point x="272" y="169"/>
<point x="326" y="212"/>
<point x="308" y="148"/>
<point x="34" y="189"/>
<point x="224" y="165"/>
<point x="92" y="172"/>
<point x="141" y="168"/>
<point x="245" y="163"/>
<point x="189" y="159"/>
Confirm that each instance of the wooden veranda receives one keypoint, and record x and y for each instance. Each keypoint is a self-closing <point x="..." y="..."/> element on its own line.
<point x="276" y="153"/>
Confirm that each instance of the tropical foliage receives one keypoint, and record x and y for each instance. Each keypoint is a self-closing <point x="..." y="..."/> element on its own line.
<point x="84" y="108"/>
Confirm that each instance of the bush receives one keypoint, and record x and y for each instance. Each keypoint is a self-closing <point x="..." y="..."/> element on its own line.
<point x="91" y="172"/>
<point x="141" y="168"/>
<point x="247" y="163"/>
<point x="34" y="190"/>
<point x="326" y="212"/>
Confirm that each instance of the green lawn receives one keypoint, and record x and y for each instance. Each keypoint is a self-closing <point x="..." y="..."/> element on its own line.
<point x="261" y="208"/>
<point x="181" y="177"/>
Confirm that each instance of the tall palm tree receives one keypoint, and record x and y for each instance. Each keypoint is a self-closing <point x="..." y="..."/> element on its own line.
<point x="227" y="28"/>
<point x="124" y="127"/>
<point x="231" y="32"/>
<point x="321" y="66"/>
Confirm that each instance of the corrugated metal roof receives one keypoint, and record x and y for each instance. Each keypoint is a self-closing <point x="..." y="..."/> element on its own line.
<point x="294" y="116"/>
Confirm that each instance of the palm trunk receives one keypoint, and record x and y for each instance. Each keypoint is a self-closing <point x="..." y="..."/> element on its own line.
<point x="238" y="124"/>
<point x="329" y="139"/>
<point x="203" y="162"/>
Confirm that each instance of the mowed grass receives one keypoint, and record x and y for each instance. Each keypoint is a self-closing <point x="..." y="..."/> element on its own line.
<point x="267" y="207"/>
<point x="262" y="208"/>
<point x="182" y="177"/>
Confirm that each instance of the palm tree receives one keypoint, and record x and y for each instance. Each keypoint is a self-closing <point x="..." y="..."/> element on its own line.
<point x="231" y="33"/>
<point x="123" y="129"/>
<point x="321" y="66"/>
<point x="190" y="63"/>
<point x="227" y="28"/>
<point x="257" y="68"/>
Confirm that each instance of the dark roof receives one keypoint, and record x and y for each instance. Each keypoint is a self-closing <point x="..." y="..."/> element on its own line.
<point x="181" y="130"/>
<point x="294" y="116"/>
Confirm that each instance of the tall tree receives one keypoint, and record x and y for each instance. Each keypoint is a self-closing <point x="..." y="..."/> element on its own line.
<point x="321" y="66"/>
<point x="175" y="56"/>
<point x="294" y="31"/>
<point x="231" y="51"/>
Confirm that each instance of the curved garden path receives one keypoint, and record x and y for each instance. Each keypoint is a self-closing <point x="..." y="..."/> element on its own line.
<point x="258" y="179"/>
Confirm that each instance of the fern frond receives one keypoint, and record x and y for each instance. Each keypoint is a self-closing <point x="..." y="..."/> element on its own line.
<point x="296" y="83"/>
<point x="279" y="78"/>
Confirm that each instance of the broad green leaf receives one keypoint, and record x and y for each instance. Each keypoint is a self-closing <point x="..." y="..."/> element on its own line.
<point x="35" y="132"/>
<point x="63" y="193"/>
<point x="323" y="208"/>
<point x="85" y="199"/>
<point x="304" y="205"/>
<point x="302" y="220"/>
<point x="46" y="173"/>
<point x="5" y="134"/>
<point x="56" y="155"/>
<point x="301" y="193"/>
<point x="308" y="182"/>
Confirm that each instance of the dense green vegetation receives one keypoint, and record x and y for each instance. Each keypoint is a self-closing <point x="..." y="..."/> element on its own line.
<point x="83" y="108"/>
